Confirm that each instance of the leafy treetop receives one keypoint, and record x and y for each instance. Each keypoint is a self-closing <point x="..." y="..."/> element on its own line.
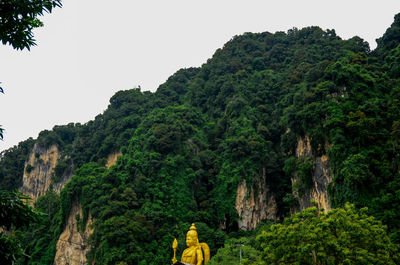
<point x="342" y="236"/>
<point x="19" y="17"/>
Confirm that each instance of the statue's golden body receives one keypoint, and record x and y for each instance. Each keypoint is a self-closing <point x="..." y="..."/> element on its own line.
<point x="194" y="253"/>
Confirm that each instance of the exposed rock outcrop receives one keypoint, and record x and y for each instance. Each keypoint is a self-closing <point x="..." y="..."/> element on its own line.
<point x="72" y="246"/>
<point x="255" y="205"/>
<point x="37" y="178"/>
<point x="322" y="176"/>
<point x="112" y="159"/>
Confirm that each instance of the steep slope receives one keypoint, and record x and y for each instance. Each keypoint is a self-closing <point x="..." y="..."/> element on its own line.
<point x="313" y="176"/>
<point x="72" y="246"/>
<point x="255" y="205"/>
<point x="271" y="124"/>
<point x="12" y="164"/>
<point x="40" y="172"/>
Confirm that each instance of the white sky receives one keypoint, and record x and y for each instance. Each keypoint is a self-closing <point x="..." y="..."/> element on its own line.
<point x="90" y="49"/>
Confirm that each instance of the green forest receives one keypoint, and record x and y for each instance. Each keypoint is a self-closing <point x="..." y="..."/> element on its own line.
<point x="186" y="147"/>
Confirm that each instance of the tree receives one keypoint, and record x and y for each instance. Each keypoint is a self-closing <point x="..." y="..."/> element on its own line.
<point x="341" y="236"/>
<point x="19" y="17"/>
<point x="14" y="213"/>
<point x="233" y="249"/>
<point x="17" y="20"/>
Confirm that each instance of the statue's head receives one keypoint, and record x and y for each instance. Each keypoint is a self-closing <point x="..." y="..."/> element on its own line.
<point x="192" y="238"/>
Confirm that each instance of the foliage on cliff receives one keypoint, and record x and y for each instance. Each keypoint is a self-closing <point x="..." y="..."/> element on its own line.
<point x="12" y="163"/>
<point x="15" y="213"/>
<point x="187" y="146"/>
<point x="341" y="236"/>
<point x="18" y="19"/>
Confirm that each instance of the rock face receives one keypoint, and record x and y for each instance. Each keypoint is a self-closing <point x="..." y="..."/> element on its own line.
<point x="38" y="171"/>
<point x="112" y="159"/>
<point x="39" y="168"/>
<point x="321" y="178"/>
<point x="255" y="205"/>
<point x="72" y="244"/>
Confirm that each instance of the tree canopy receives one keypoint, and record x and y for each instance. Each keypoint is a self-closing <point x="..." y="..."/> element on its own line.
<point x="341" y="236"/>
<point x="18" y="18"/>
<point x="15" y="213"/>
<point x="185" y="149"/>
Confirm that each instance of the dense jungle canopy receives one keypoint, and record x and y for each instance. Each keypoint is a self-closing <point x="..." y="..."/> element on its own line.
<point x="186" y="148"/>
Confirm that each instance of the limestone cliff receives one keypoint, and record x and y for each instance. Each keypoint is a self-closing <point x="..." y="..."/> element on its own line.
<point x="255" y="205"/>
<point x="112" y="159"/>
<point x="72" y="245"/>
<point x="38" y="171"/>
<point x="321" y="178"/>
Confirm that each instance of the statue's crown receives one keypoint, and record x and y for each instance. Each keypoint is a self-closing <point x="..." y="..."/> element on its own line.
<point x="193" y="231"/>
<point x="193" y="227"/>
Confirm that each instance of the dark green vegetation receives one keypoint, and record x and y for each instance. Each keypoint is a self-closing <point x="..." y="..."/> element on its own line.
<point x="19" y="17"/>
<point x="12" y="162"/>
<point x="39" y="243"/>
<point x="342" y="236"/>
<point x="230" y="253"/>
<point x="17" y="20"/>
<point x="186" y="147"/>
<point x="14" y="214"/>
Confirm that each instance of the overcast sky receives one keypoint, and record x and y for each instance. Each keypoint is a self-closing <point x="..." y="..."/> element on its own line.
<point x="90" y="49"/>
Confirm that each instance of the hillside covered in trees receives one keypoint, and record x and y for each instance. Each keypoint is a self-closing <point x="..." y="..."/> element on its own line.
<point x="185" y="149"/>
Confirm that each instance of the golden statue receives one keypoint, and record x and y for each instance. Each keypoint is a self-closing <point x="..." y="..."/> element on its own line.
<point x="193" y="255"/>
